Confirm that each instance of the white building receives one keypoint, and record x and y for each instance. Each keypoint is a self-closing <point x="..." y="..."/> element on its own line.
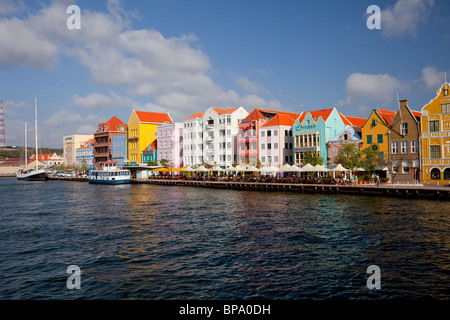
<point x="193" y="139"/>
<point x="170" y="144"/>
<point x="275" y="141"/>
<point x="220" y="132"/>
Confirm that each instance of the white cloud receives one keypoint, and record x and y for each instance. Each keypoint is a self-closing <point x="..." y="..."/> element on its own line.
<point x="432" y="78"/>
<point x="250" y="86"/>
<point x="405" y="17"/>
<point x="377" y="87"/>
<point x="10" y="7"/>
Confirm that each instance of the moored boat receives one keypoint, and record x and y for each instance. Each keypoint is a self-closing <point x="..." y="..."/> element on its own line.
<point x="109" y="173"/>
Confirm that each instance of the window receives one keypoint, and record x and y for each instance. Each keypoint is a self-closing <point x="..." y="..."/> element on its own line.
<point x="395" y="165"/>
<point x="447" y="174"/>
<point x="269" y="133"/>
<point x="242" y="146"/>
<point x="263" y="133"/>
<point x="269" y="159"/>
<point x="263" y="159"/>
<point x="435" y="174"/>
<point x="435" y="152"/>
<point x="380" y="138"/>
<point x="394" y="147"/>
<point x="404" y="129"/>
<point x="275" y="145"/>
<point x="335" y="152"/>
<point x="263" y="146"/>
<point x="404" y="146"/>
<point x="434" y="125"/>
<point x="275" y="159"/>
<point x="405" y="166"/>
<point x="414" y="146"/>
<point x="374" y="122"/>
<point x="286" y="145"/>
<point x="286" y="133"/>
<point x="254" y="146"/>
<point x="446" y="109"/>
<point x="269" y="146"/>
<point x="369" y="139"/>
<point x="275" y="133"/>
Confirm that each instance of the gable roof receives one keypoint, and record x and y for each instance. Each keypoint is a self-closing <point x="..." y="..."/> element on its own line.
<point x="324" y="113"/>
<point x="153" y="117"/>
<point x="354" y="121"/>
<point x="386" y="115"/>
<point x="195" y="115"/>
<point x="225" y="111"/>
<point x="111" y="125"/>
<point x="350" y="131"/>
<point x="259" y="114"/>
<point x="280" y="120"/>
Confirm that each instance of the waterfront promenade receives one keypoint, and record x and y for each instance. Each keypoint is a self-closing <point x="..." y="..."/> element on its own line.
<point x="418" y="191"/>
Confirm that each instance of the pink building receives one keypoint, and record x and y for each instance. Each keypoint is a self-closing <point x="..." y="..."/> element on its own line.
<point x="249" y="147"/>
<point x="170" y="144"/>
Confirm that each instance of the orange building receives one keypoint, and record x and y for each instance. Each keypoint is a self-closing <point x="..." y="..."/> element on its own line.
<point x="435" y="138"/>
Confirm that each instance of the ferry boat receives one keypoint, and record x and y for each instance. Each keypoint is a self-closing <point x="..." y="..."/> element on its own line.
<point x="109" y="173"/>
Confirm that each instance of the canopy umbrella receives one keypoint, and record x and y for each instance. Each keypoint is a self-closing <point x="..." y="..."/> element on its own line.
<point x="177" y="169"/>
<point x="188" y="169"/>
<point x="360" y="169"/>
<point x="339" y="168"/>
<point x="201" y="169"/>
<point x="307" y="167"/>
<point x="161" y="170"/>
<point x="320" y="168"/>
<point x="269" y="169"/>
<point x="251" y="169"/>
<point x="217" y="168"/>
<point x="285" y="168"/>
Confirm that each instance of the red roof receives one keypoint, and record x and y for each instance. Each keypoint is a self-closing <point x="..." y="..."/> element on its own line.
<point x="280" y="120"/>
<point x="387" y="115"/>
<point x="225" y="111"/>
<point x="417" y="114"/>
<point x="354" y="121"/>
<point x="44" y="157"/>
<point x="153" y="117"/>
<point x="257" y="114"/>
<point x="196" y="115"/>
<point x="112" y="124"/>
<point x="324" y="113"/>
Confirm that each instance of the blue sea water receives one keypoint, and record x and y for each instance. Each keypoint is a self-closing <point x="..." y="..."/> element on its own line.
<point x="170" y="242"/>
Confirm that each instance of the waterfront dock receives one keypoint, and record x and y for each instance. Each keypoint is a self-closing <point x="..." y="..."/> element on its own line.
<point x="389" y="190"/>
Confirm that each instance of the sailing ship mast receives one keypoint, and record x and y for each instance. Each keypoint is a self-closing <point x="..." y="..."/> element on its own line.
<point x="26" y="155"/>
<point x="36" y="131"/>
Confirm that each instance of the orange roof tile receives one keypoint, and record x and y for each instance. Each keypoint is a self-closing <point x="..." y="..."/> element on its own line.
<point x="225" y="111"/>
<point x="112" y="124"/>
<point x="387" y="115"/>
<point x="280" y="120"/>
<point x="196" y="115"/>
<point x="324" y="113"/>
<point x="153" y="117"/>
<point x="257" y="114"/>
<point x="355" y="121"/>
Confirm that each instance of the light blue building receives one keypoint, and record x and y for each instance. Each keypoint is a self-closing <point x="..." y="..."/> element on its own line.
<point x="119" y="150"/>
<point x="313" y="129"/>
<point x="84" y="155"/>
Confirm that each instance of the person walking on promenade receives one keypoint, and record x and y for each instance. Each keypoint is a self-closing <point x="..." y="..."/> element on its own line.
<point x="378" y="180"/>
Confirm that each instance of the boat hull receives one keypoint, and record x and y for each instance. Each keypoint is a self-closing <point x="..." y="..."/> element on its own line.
<point x="39" y="175"/>
<point x="102" y="181"/>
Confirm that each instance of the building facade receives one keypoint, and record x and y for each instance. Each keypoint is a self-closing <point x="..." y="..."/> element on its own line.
<point x="50" y="159"/>
<point x="220" y="132"/>
<point x="170" y="144"/>
<point x="248" y="144"/>
<point x="374" y="132"/>
<point x="435" y="138"/>
<point x="349" y="135"/>
<point x="103" y="139"/>
<point x="119" y="150"/>
<point x="313" y="129"/>
<point x="70" y="145"/>
<point x="85" y="154"/>
<point x="404" y="156"/>
<point x="193" y="139"/>
<point x="150" y="154"/>
<point x="275" y="141"/>
<point x="142" y="128"/>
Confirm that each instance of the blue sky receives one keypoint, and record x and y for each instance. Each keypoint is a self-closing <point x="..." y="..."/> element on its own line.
<point x="184" y="56"/>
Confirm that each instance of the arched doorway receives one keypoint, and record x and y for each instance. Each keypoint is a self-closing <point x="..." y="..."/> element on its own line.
<point x="435" y="174"/>
<point x="447" y="174"/>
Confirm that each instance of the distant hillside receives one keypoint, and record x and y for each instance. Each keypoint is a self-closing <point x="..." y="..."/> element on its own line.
<point x="6" y="152"/>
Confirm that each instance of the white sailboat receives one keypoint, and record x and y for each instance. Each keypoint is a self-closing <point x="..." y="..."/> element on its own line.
<point x="32" y="174"/>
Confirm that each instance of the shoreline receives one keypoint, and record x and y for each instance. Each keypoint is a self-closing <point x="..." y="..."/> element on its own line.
<point x="419" y="191"/>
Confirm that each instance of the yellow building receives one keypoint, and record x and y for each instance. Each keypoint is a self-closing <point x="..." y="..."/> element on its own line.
<point x="435" y="138"/>
<point x="142" y="128"/>
<point x="374" y="133"/>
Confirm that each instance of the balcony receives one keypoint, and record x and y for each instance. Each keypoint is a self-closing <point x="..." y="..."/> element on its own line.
<point x="209" y="138"/>
<point x="210" y="126"/>
<point x="210" y="151"/>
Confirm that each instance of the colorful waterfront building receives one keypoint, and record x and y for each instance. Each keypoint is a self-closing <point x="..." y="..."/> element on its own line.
<point x="150" y="154"/>
<point x="142" y="128"/>
<point x="103" y="139"/>
<point x="85" y="154"/>
<point x="275" y="141"/>
<point x="193" y="139"/>
<point x="403" y="137"/>
<point x="248" y="143"/>
<point x="70" y="144"/>
<point x="50" y="159"/>
<point x="170" y="144"/>
<point x="119" y="150"/>
<point x="374" y="132"/>
<point x="435" y="138"/>
<point x="312" y="130"/>
<point x="220" y="131"/>
<point x="351" y="134"/>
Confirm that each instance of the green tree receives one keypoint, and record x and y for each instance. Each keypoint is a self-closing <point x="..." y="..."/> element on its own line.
<point x="371" y="159"/>
<point x="153" y="163"/>
<point x="164" y="162"/>
<point x="349" y="156"/>
<point x="313" y="158"/>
